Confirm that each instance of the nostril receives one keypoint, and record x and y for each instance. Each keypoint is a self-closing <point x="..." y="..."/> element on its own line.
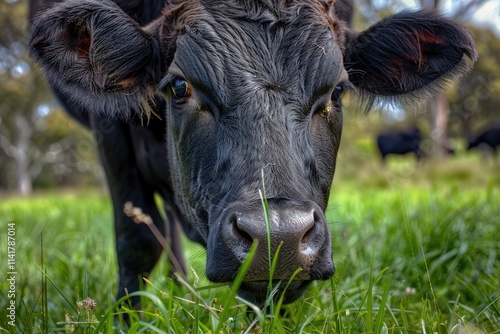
<point x="308" y="235"/>
<point x="239" y="233"/>
<point x="312" y="229"/>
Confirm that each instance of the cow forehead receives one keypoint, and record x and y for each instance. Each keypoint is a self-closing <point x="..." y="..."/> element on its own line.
<point x="221" y="53"/>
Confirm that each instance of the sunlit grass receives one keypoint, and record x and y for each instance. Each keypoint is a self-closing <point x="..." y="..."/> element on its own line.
<point x="409" y="259"/>
<point x="438" y="245"/>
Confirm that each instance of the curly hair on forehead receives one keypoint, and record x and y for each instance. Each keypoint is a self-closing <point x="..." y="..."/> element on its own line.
<point x="267" y="10"/>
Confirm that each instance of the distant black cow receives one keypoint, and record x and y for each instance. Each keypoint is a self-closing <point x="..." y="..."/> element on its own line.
<point x="401" y="142"/>
<point x="490" y="138"/>
<point x="210" y="96"/>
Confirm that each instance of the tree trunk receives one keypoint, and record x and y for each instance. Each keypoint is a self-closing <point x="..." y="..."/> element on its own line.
<point x="24" y="183"/>
<point x="438" y="111"/>
<point x="21" y="154"/>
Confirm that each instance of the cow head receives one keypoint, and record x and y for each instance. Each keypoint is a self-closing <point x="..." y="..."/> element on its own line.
<point x="253" y="91"/>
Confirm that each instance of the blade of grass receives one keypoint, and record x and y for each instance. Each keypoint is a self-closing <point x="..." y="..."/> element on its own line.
<point x="274" y="262"/>
<point x="434" y="299"/>
<point x="383" y="305"/>
<point x="404" y="317"/>
<point x="196" y="294"/>
<point x="369" y="298"/>
<point x="245" y="266"/>
<point x="108" y="317"/>
<point x="45" y="303"/>
<point x="309" y="320"/>
<point x="265" y="206"/>
<point x="280" y="301"/>
<point x="486" y="307"/>
<point x="259" y="316"/>
<point x="58" y="290"/>
<point x="273" y="290"/>
<point x="150" y="327"/>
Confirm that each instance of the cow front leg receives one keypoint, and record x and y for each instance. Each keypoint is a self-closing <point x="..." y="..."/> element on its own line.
<point x="138" y="250"/>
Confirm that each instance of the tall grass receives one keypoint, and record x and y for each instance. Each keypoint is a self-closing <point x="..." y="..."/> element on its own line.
<point x="409" y="259"/>
<point x="438" y="247"/>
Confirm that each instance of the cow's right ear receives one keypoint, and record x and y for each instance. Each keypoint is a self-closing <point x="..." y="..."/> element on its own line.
<point x="96" y="56"/>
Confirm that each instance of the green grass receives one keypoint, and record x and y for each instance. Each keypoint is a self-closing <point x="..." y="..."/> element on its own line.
<point x="417" y="252"/>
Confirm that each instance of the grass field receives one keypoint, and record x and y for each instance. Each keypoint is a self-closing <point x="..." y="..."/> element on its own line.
<point x="416" y="247"/>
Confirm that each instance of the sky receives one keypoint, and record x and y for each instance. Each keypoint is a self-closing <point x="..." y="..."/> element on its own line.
<point x="487" y="15"/>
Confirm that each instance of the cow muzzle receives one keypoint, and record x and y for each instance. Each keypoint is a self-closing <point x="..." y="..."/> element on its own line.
<point x="296" y="233"/>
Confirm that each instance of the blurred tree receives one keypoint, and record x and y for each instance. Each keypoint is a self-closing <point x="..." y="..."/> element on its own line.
<point x="475" y="103"/>
<point x="21" y="90"/>
<point x="32" y="135"/>
<point x="438" y="109"/>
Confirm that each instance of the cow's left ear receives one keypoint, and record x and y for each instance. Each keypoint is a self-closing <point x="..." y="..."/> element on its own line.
<point x="407" y="54"/>
<point x="96" y="56"/>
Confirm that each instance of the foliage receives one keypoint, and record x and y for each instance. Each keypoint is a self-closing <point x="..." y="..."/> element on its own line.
<point x="36" y="138"/>
<point x="19" y="92"/>
<point x="475" y="102"/>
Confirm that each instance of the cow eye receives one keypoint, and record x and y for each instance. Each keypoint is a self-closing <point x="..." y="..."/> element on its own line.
<point x="180" y="88"/>
<point x="338" y="91"/>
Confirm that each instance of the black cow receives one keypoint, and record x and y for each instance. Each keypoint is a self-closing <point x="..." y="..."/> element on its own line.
<point x="400" y="142"/>
<point x="490" y="137"/>
<point x="209" y="97"/>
